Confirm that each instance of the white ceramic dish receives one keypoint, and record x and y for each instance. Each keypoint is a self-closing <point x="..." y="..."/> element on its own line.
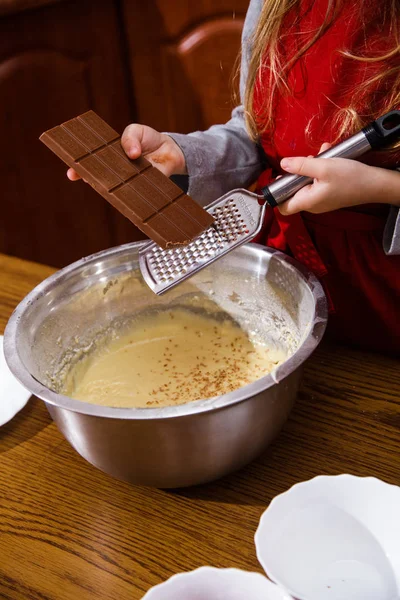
<point x="333" y="538"/>
<point x="330" y="538"/>
<point x="208" y="583"/>
<point x="13" y="396"/>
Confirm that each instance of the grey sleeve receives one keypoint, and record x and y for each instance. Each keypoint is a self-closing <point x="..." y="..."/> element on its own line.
<point x="224" y="157"/>
<point x="391" y="235"/>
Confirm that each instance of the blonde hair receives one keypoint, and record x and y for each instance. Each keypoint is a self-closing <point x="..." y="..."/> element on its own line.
<point x="266" y="57"/>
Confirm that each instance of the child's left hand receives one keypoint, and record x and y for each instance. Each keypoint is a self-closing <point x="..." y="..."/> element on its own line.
<point x="338" y="183"/>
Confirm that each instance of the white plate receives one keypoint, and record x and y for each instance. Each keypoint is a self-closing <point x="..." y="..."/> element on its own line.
<point x="13" y="396"/>
<point x="333" y="538"/>
<point x="209" y="583"/>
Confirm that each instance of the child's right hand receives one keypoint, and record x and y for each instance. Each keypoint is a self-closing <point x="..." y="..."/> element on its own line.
<point x="160" y="149"/>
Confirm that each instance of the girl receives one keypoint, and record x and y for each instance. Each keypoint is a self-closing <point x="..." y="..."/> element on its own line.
<point x="313" y="72"/>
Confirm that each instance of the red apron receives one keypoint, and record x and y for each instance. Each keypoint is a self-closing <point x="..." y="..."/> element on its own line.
<point x="345" y="247"/>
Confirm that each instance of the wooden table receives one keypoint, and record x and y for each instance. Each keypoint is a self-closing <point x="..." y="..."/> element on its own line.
<point x="70" y="532"/>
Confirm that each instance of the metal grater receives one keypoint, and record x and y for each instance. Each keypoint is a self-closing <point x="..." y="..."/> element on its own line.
<point x="239" y="214"/>
<point x="238" y="219"/>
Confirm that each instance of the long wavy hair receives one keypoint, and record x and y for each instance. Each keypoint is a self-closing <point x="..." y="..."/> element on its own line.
<point x="267" y="57"/>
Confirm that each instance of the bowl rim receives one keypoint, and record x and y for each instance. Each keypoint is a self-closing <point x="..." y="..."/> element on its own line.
<point x="308" y="345"/>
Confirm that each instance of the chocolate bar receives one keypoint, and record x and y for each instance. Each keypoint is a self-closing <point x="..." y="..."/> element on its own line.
<point x="135" y="188"/>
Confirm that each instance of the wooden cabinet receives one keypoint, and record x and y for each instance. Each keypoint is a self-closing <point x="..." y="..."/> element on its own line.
<point x="166" y="63"/>
<point x="183" y="56"/>
<point x="55" y="62"/>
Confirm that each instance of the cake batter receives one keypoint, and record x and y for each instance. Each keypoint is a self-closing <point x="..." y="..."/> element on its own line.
<point x="171" y="358"/>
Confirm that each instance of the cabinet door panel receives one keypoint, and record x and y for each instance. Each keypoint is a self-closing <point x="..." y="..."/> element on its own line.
<point x="45" y="217"/>
<point x="198" y="75"/>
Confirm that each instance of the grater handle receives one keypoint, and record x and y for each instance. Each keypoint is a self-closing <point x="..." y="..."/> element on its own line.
<point x="377" y="134"/>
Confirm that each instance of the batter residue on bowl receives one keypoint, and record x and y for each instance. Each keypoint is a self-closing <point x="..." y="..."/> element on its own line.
<point x="170" y="358"/>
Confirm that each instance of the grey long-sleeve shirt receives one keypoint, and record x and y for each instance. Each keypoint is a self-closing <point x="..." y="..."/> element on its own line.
<point x="224" y="157"/>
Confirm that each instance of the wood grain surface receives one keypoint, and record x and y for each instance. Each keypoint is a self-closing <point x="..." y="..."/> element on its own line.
<point x="68" y="531"/>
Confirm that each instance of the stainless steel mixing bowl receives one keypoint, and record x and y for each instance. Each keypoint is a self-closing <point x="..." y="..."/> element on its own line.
<point x="269" y="294"/>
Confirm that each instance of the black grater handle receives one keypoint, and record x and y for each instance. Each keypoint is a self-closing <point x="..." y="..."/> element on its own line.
<point x="384" y="130"/>
<point x="377" y="134"/>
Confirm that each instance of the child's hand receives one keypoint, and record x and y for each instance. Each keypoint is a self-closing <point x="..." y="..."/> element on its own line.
<point x="338" y="183"/>
<point x="159" y="148"/>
